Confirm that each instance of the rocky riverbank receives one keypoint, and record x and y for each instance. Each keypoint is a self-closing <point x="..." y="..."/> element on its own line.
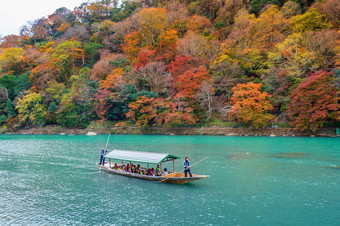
<point x="214" y="131"/>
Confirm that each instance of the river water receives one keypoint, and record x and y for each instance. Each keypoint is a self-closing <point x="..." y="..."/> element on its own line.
<point x="53" y="180"/>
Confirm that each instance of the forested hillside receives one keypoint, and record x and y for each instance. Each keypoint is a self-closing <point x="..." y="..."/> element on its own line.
<point x="173" y="63"/>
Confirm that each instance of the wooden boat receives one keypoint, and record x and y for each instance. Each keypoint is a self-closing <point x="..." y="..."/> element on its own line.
<point x="148" y="158"/>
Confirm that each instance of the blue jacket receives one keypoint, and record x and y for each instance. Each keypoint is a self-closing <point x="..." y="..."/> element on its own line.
<point x="186" y="164"/>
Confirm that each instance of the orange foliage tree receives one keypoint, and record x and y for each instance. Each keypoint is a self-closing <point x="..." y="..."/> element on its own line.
<point x="250" y="105"/>
<point x="150" y="111"/>
<point x="166" y="47"/>
<point x="132" y="45"/>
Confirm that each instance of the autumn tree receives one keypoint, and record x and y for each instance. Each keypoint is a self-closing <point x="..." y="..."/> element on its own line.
<point x="198" y="24"/>
<point x="154" y="76"/>
<point x="289" y="9"/>
<point x="108" y="92"/>
<point x="31" y="109"/>
<point x="103" y="67"/>
<point x="197" y="46"/>
<point x="189" y="83"/>
<point x="11" y="59"/>
<point x="227" y="13"/>
<point x="179" y="114"/>
<point x="181" y="64"/>
<point x="144" y="111"/>
<point x="68" y="53"/>
<point x="268" y="29"/>
<point x="152" y="22"/>
<point x="310" y="21"/>
<point x="76" y="106"/>
<point x="47" y="71"/>
<point x="331" y="9"/>
<point x="132" y="45"/>
<point x="157" y="111"/>
<point x="315" y="100"/>
<point x="166" y="46"/>
<point x="250" y="105"/>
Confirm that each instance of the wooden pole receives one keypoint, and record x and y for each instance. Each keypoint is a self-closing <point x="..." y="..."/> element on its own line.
<point x="173" y="166"/>
<point x="183" y="169"/>
<point x="110" y="162"/>
<point x="107" y="142"/>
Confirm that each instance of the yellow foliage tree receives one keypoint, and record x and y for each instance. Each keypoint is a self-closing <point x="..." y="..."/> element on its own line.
<point x="31" y="109"/>
<point x="10" y="59"/>
<point x="152" y="22"/>
<point x="310" y="21"/>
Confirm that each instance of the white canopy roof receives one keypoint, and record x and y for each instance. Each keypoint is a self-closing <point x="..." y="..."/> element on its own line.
<point x="138" y="156"/>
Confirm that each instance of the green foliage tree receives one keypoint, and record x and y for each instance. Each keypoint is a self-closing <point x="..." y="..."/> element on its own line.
<point x="9" y="109"/>
<point x="92" y="53"/>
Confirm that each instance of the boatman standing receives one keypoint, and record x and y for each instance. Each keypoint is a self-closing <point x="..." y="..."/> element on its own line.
<point x="186" y="165"/>
<point x="102" y="158"/>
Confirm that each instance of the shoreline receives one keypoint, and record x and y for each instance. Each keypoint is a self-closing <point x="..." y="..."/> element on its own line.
<point x="207" y="131"/>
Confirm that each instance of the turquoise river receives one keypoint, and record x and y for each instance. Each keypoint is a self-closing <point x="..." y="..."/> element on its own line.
<point x="54" y="180"/>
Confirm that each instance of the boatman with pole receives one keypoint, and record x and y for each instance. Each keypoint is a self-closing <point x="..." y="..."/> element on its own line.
<point x="102" y="158"/>
<point x="186" y="165"/>
<point x="103" y="152"/>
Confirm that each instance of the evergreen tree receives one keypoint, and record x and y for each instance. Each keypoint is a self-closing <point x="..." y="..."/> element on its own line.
<point x="9" y="109"/>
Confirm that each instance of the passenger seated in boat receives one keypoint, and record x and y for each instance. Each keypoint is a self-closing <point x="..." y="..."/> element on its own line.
<point x="115" y="166"/>
<point x="165" y="172"/>
<point x="147" y="172"/>
<point x="153" y="172"/>
<point x="123" y="168"/>
<point x="138" y="169"/>
<point x="132" y="168"/>
<point x="127" y="168"/>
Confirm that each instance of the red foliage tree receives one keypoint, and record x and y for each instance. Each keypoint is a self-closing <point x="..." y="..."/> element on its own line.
<point x="11" y="122"/>
<point x="108" y="92"/>
<point x="314" y="100"/>
<point x="144" y="56"/>
<point x="191" y="81"/>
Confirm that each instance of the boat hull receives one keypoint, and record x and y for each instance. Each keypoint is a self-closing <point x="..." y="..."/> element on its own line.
<point x="173" y="178"/>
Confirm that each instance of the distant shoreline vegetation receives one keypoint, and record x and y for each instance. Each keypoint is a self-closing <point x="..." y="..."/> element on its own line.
<point x="215" y="129"/>
<point x="153" y="66"/>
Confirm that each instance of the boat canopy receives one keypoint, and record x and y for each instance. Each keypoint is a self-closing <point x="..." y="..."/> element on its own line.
<point x="138" y="156"/>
